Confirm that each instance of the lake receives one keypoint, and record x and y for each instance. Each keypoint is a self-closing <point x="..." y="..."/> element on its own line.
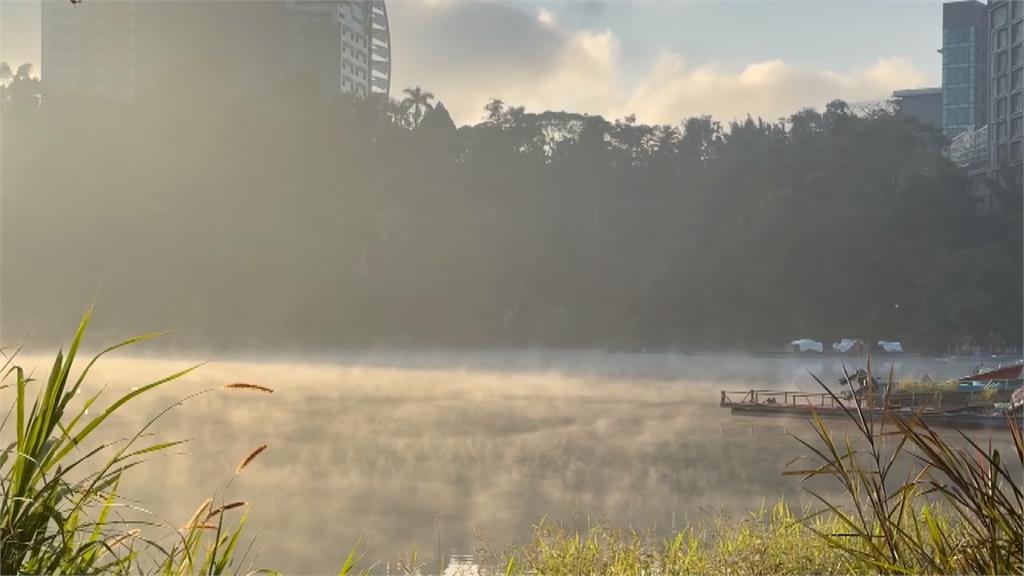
<point x="462" y="453"/>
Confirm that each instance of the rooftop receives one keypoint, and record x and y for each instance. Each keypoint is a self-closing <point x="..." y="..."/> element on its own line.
<point x="916" y="92"/>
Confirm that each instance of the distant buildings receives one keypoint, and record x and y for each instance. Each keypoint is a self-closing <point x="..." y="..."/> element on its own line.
<point x="119" y="49"/>
<point x="922" y="104"/>
<point x="964" y="66"/>
<point x="969" y="150"/>
<point x="1006" y="125"/>
<point x="982" y="94"/>
<point x="365" y="39"/>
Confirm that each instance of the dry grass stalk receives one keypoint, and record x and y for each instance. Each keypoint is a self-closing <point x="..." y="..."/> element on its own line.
<point x="226" y="507"/>
<point x="252" y="455"/>
<point x="122" y="537"/>
<point x="196" y="515"/>
<point x="247" y="386"/>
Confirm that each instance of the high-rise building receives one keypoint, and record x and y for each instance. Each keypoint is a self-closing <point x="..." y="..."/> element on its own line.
<point x="964" y="66"/>
<point x="1006" y="108"/>
<point x="118" y="49"/>
<point x="363" y="40"/>
<point x="93" y="51"/>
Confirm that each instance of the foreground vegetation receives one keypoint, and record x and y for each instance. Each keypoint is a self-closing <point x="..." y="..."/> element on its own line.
<point x="60" y="511"/>
<point x="959" y="512"/>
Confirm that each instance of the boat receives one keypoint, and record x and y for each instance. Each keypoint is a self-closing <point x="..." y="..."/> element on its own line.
<point x="1011" y="372"/>
<point x="986" y="405"/>
<point x="959" y="409"/>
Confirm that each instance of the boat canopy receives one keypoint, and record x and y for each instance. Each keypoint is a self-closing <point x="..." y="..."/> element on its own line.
<point x="846" y="344"/>
<point x="807" y="345"/>
<point x="890" y="346"/>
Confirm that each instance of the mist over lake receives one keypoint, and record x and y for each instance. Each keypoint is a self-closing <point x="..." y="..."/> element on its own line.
<point x="470" y="450"/>
<point x="537" y="287"/>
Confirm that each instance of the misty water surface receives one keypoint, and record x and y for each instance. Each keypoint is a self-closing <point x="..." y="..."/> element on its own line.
<point x="465" y="452"/>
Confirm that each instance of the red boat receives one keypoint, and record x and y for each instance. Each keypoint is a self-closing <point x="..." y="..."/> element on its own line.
<point x="1012" y="372"/>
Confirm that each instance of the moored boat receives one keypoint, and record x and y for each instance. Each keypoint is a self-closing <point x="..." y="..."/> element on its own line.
<point x="991" y="397"/>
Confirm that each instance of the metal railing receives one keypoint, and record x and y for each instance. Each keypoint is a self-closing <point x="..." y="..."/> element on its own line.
<point x="944" y="399"/>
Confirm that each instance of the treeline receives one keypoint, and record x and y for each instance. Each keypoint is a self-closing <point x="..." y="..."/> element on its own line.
<point x="296" y="220"/>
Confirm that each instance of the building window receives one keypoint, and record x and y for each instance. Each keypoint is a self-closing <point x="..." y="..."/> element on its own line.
<point x="1017" y="103"/>
<point x="1018" y="79"/>
<point x="999" y="16"/>
<point x="1001" y="108"/>
<point x="1015" y="127"/>
<point x="1015" y="152"/>
<point x="1001" y="39"/>
<point x="1015" y="59"/>
<point x="1000" y="62"/>
<point x="1018" y="28"/>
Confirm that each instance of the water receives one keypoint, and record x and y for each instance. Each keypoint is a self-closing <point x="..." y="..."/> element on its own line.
<point x="449" y="453"/>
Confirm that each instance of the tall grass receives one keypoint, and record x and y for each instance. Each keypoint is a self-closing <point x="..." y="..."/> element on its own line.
<point x="960" y="511"/>
<point x="60" y="511"/>
<point x="768" y="541"/>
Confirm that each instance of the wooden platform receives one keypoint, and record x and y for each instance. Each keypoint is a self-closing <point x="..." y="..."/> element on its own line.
<point x="965" y="409"/>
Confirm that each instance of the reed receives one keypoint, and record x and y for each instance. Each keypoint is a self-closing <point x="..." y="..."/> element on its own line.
<point x="59" y="501"/>
<point x="247" y="386"/>
<point x="959" y="511"/>
<point x="250" y="457"/>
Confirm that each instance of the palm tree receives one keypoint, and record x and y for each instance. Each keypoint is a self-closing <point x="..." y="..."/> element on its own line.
<point x="417" y="103"/>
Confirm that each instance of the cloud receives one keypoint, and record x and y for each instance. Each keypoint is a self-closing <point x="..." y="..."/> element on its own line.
<point x="469" y="52"/>
<point x="771" y="89"/>
<point x="545" y="17"/>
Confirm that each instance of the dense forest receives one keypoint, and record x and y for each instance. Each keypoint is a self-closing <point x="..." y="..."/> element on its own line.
<point x="292" y="219"/>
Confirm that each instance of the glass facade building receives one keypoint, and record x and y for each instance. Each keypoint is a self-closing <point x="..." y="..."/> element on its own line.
<point x="964" y="66"/>
<point x="1006" y="126"/>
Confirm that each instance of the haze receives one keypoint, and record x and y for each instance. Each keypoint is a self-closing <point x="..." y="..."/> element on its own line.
<point x="499" y="259"/>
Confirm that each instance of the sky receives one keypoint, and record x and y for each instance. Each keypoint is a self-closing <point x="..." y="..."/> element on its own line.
<point x="662" y="60"/>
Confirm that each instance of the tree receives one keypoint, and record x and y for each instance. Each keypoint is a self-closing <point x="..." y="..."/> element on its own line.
<point x="364" y="221"/>
<point x="495" y="110"/>
<point x="416" y="103"/>
<point x="20" y="87"/>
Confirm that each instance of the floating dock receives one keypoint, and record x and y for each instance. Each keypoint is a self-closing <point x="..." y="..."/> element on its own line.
<point x="967" y="409"/>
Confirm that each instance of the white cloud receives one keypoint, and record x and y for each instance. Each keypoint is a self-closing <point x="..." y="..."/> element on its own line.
<point x="771" y="89"/>
<point x="467" y="53"/>
<point x="545" y="17"/>
<point x="581" y="80"/>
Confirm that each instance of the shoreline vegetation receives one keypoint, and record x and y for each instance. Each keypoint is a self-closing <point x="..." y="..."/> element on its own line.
<point x="959" y="512"/>
<point x="287" y="219"/>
